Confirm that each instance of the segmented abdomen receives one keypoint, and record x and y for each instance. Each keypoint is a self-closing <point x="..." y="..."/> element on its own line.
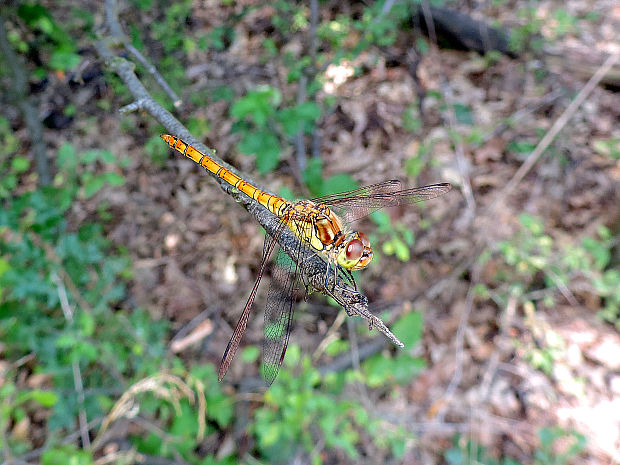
<point x="276" y="205"/>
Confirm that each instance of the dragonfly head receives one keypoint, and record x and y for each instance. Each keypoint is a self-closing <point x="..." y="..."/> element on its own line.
<point x="355" y="252"/>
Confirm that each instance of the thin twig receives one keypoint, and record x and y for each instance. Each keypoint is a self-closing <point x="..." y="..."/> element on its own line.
<point x="69" y="439"/>
<point x="520" y="114"/>
<point x="51" y="255"/>
<point x="330" y="336"/>
<point x="77" y="374"/>
<point x="555" y="129"/>
<point x="20" y="95"/>
<point x="468" y="193"/>
<point x="460" y="339"/>
<point x="300" y="148"/>
<point x="493" y="364"/>
<point x="314" y="22"/>
<point x="344" y="361"/>
<point x="315" y="269"/>
<point x="117" y="33"/>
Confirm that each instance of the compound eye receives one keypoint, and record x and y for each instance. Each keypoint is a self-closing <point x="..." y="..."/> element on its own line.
<point x="355" y="248"/>
<point x="364" y="238"/>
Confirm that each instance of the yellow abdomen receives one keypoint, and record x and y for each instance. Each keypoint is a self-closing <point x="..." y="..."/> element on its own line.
<point x="273" y="203"/>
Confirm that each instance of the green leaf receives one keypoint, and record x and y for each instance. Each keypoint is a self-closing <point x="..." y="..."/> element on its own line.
<point x="44" y="398"/>
<point x="4" y="266"/>
<point x="521" y="146"/>
<point x="268" y="159"/>
<point x="250" y="354"/>
<point x="295" y="118"/>
<point x="313" y="176"/>
<point x="269" y="434"/>
<point x="265" y="146"/>
<point x="107" y="156"/>
<point x="89" y="156"/>
<point x="405" y="367"/>
<point x="31" y="13"/>
<point x="388" y="248"/>
<point x="400" y="249"/>
<point x="64" y="61"/>
<point x="338" y="183"/>
<point x="533" y="224"/>
<point x="66" y="341"/>
<point x="66" y="455"/>
<point x="600" y="253"/>
<point x="221" y="409"/>
<point x="378" y="370"/>
<point x="463" y="114"/>
<point x="114" y="179"/>
<point x="409" y="328"/>
<point x="414" y="166"/>
<point x="87" y="323"/>
<point x="225" y="93"/>
<point x="67" y="157"/>
<point x="382" y="220"/>
<point x="20" y="164"/>
<point x="93" y="185"/>
<point x="259" y="105"/>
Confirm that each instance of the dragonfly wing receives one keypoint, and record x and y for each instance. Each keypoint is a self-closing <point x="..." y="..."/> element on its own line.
<point x="359" y="203"/>
<point x="393" y="185"/>
<point x="235" y="339"/>
<point x="278" y="315"/>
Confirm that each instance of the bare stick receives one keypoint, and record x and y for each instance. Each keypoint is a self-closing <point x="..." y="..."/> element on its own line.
<point x="77" y="375"/>
<point x="315" y="268"/>
<point x="556" y="128"/>
<point x="116" y="31"/>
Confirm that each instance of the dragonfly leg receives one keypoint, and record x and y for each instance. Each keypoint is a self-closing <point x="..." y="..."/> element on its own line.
<point x="350" y="277"/>
<point x="326" y="283"/>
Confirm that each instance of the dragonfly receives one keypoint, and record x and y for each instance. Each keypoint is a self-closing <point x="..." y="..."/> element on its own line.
<point x="323" y="226"/>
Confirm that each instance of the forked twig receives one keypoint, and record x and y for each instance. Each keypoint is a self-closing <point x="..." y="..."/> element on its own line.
<point x="353" y="302"/>
<point x="116" y="31"/>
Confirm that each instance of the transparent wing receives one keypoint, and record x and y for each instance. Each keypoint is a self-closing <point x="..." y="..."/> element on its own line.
<point x="235" y="339"/>
<point x="393" y="185"/>
<point x="278" y="315"/>
<point x="359" y="203"/>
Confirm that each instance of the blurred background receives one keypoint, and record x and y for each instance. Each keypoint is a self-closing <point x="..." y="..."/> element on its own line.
<point x="124" y="267"/>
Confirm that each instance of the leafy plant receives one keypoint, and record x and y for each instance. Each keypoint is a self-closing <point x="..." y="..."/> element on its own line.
<point x="319" y="186"/>
<point x="472" y="453"/>
<point x="50" y="38"/>
<point x="608" y="147"/>
<point x="299" y="413"/>
<point x="549" y="455"/>
<point x="60" y="285"/>
<point x="402" y="367"/>
<point x="262" y="123"/>
<point x="532" y="254"/>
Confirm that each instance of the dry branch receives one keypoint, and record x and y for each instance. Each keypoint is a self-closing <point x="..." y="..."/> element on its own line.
<point x="315" y="268"/>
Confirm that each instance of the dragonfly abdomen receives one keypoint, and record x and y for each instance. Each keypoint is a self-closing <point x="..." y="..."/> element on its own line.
<point x="273" y="203"/>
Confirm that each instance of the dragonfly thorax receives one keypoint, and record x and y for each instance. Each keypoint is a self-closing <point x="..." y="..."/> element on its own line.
<point x="316" y="225"/>
<point x="321" y="228"/>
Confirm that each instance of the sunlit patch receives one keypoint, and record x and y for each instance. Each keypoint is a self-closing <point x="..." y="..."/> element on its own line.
<point x="229" y="273"/>
<point x="599" y="422"/>
<point x="172" y="240"/>
<point x="336" y="75"/>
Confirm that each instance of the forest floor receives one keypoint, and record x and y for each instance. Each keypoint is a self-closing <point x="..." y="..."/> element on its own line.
<point x="509" y="350"/>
